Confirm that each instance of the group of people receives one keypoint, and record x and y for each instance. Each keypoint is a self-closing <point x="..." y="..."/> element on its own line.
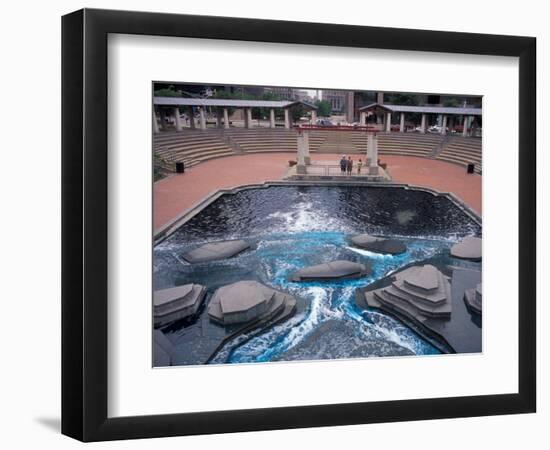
<point x="346" y="165"/>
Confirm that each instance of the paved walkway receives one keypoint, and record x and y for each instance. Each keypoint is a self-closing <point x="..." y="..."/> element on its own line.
<point x="177" y="193"/>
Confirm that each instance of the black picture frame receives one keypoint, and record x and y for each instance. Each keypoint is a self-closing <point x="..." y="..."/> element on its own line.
<point x="84" y="224"/>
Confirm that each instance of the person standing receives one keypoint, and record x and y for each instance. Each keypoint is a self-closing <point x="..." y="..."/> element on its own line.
<point x="359" y="165"/>
<point x="343" y="164"/>
<point x="350" y="165"/>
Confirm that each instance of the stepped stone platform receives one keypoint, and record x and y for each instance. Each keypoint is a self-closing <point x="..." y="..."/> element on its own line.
<point x="243" y="302"/>
<point x="201" y="341"/>
<point x="216" y="250"/>
<point x="378" y="244"/>
<point x="329" y="271"/>
<point x="473" y="300"/>
<point x="162" y="349"/>
<point x="469" y="248"/>
<point x="177" y="303"/>
<point x="424" y="299"/>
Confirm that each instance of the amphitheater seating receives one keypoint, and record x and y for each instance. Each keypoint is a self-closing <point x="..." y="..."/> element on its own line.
<point x="195" y="146"/>
<point x="190" y="147"/>
<point x="461" y="150"/>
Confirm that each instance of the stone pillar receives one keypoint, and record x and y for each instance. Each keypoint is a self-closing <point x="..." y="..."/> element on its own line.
<point x="177" y="120"/>
<point x="444" y="125"/>
<point x="155" y="122"/>
<point x="272" y="118"/>
<point x="225" y="118"/>
<point x="287" y="118"/>
<point x="248" y="118"/>
<point x="423" y="124"/>
<point x="363" y="118"/>
<point x="380" y="98"/>
<point x="388" y="122"/>
<point x="307" y="158"/>
<point x="350" y="107"/>
<point x="373" y="164"/>
<point x="203" y="118"/>
<point x="301" y="166"/>
<point x="402" y="122"/>
<point x="465" y="128"/>
<point x="313" y="117"/>
<point x="219" y="118"/>
<point x="370" y="147"/>
<point x="191" y="118"/>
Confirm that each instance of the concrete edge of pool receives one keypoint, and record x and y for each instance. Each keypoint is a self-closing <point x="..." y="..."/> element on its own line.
<point x="163" y="232"/>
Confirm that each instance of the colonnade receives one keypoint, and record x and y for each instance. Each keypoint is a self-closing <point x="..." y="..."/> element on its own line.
<point x="222" y="118"/>
<point x="423" y="122"/>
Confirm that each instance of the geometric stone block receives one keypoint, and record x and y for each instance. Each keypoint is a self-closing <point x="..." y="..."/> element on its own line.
<point x="215" y="251"/>
<point x="469" y="248"/>
<point x="240" y="302"/>
<point x="177" y="303"/>
<point x="418" y="292"/>
<point x="332" y="270"/>
<point x="378" y="244"/>
<point x="162" y="349"/>
<point x="473" y="298"/>
<point x="426" y="279"/>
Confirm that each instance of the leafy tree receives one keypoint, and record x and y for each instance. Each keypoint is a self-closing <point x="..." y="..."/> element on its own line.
<point x="324" y="108"/>
<point x="451" y="102"/>
<point x="398" y="98"/>
<point x="168" y="92"/>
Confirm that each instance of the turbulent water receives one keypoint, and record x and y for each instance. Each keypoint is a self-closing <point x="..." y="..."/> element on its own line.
<point x="293" y="227"/>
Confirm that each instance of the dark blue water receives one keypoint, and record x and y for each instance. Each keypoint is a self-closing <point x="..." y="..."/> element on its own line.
<point x="293" y="227"/>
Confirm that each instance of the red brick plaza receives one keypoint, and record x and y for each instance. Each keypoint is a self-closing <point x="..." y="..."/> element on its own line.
<point x="175" y="194"/>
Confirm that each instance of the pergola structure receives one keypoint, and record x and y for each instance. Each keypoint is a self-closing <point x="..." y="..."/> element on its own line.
<point x="222" y="110"/>
<point x="387" y="110"/>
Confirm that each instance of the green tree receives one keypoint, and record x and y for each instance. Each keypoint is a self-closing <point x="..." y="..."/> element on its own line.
<point x="168" y="92"/>
<point x="324" y="108"/>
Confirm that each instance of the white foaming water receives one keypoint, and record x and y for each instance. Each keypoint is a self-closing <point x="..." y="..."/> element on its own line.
<point x="369" y="254"/>
<point x="305" y="217"/>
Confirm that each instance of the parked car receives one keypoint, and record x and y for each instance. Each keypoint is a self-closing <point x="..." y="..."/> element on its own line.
<point x="324" y="123"/>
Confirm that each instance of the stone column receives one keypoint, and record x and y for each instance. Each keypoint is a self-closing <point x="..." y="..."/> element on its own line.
<point x="301" y="166"/>
<point x="219" y="117"/>
<point x="373" y="165"/>
<point x="388" y="122"/>
<point x="203" y="118"/>
<point x="402" y="122"/>
<point x="272" y="118"/>
<point x="363" y="118"/>
<point x="191" y="117"/>
<point x="380" y="98"/>
<point x="465" y="129"/>
<point x="313" y="117"/>
<point x="177" y="120"/>
<point x="248" y="118"/>
<point x="225" y="118"/>
<point x="155" y="122"/>
<point x="307" y="158"/>
<point x="423" y="124"/>
<point x="444" y="125"/>
<point x="370" y="147"/>
<point x="287" y="118"/>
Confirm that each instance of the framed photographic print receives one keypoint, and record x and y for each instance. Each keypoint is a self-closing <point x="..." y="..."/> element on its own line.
<point x="273" y="224"/>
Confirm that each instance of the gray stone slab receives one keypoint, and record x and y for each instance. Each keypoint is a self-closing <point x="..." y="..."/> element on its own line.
<point x="240" y="302"/>
<point x="162" y="349"/>
<point x="425" y="278"/>
<point x="332" y="270"/>
<point x="377" y="244"/>
<point x="473" y="299"/>
<point x="469" y="248"/>
<point x="215" y="251"/>
<point x="177" y="303"/>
